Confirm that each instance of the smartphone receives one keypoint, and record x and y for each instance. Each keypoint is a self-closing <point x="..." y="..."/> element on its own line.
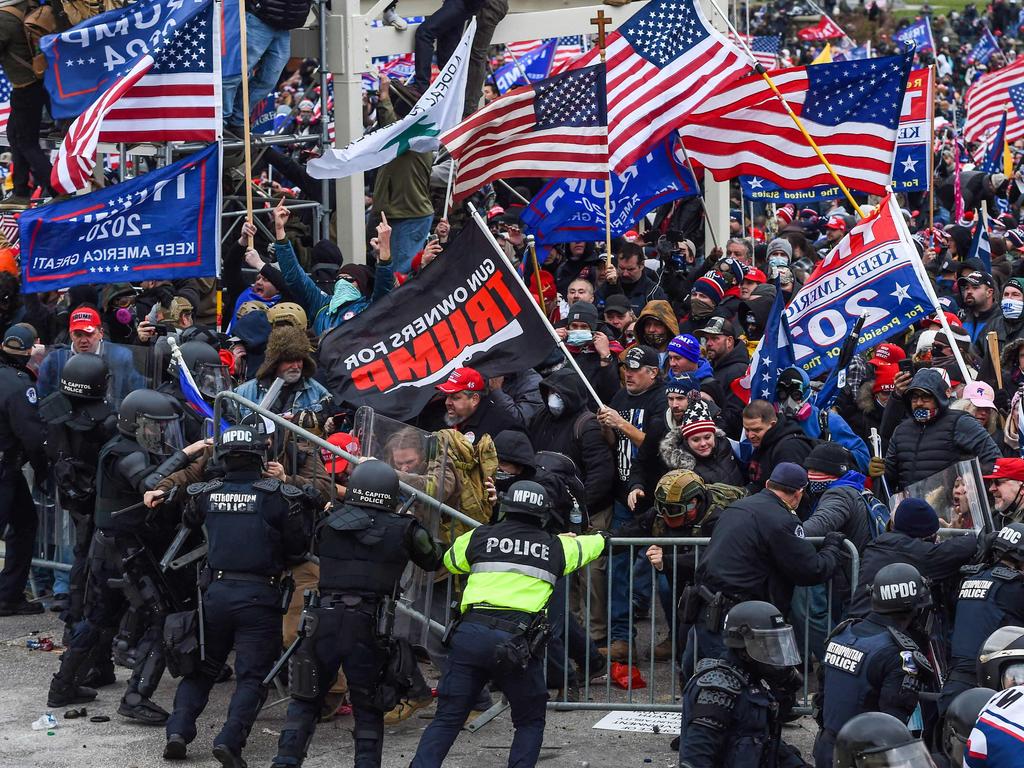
<point x="906" y="365"/>
<point x="432" y="239"/>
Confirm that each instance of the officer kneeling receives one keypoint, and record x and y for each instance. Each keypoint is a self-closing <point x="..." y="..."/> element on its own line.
<point x="364" y="548"/>
<point x="513" y="566"/>
<point x="730" y="706"/>
<point x="254" y="528"/>
<point x="878" y="740"/>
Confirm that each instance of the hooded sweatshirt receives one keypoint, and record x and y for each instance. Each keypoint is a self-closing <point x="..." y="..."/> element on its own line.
<point x="662" y="311"/>
<point x="839" y="430"/>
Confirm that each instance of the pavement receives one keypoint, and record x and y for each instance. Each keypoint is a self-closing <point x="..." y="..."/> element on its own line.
<point x="570" y="740"/>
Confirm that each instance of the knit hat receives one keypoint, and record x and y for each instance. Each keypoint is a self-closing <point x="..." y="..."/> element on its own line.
<point x="781" y="244"/>
<point x="697" y="419"/>
<point x="582" y="312"/>
<point x="785" y="215"/>
<point x="916" y="518"/>
<point x="829" y="459"/>
<point x="686" y="346"/>
<point x="712" y="286"/>
<point x="732" y="267"/>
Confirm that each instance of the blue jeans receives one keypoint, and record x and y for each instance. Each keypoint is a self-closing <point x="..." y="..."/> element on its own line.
<point x="408" y="236"/>
<point x="620" y="569"/>
<point x="811" y="604"/>
<point x="267" y="50"/>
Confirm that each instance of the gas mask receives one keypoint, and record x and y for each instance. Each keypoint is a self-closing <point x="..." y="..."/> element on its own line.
<point x="579" y="338"/>
<point x="556" y="404"/>
<point x="1012" y="308"/>
<point x="796" y="408"/>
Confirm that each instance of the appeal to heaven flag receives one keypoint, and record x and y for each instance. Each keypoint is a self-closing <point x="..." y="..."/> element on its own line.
<point x="438" y="110"/>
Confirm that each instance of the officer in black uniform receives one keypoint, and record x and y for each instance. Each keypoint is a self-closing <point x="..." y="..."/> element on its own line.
<point x="990" y="597"/>
<point x="872" y="664"/>
<point x="79" y="422"/>
<point x="210" y="375"/>
<point x="364" y="547"/>
<point x="125" y="546"/>
<point x="731" y="716"/>
<point x="1001" y="659"/>
<point x="878" y="740"/>
<point x="255" y="528"/>
<point x="21" y="440"/>
<point x="958" y="722"/>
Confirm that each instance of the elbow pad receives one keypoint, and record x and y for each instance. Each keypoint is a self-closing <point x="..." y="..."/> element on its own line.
<point x="176" y="462"/>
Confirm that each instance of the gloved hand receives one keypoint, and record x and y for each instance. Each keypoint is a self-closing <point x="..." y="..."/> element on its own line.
<point x="876" y="467"/>
<point x="834" y="539"/>
<point x="1002" y="400"/>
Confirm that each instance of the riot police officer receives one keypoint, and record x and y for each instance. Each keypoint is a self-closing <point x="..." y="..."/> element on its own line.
<point x="512" y="566"/>
<point x="79" y="421"/>
<point x="961" y="715"/>
<point x="878" y="740"/>
<point x="21" y="440"/>
<point x="211" y="377"/>
<point x="1001" y="659"/>
<point x="871" y="664"/>
<point x="991" y="596"/>
<point x="731" y="704"/>
<point x="146" y="448"/>
<point x="254" y="527"/>
<point x="364" y="547"/>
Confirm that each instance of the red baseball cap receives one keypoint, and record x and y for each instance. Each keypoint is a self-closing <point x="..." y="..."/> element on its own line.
<point x="951" y="318"/>
<point x="755" y="275"/>
<point x="84" y="319"/>
<point x="836" y="222"/>
<point x="332" y="461"/>
<point x="632" y="236"/>
<point x="887" y="354"/>
<point x="1007" y="469"/>
<point x="462" y="380"/>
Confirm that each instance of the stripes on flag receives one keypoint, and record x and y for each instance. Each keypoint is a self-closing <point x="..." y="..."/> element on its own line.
<point x="764" y="47"/>
<point x="986" y="99"/>
<point x="5" y="101"/>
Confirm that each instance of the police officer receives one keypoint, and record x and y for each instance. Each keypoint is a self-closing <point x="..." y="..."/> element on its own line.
<point x="990" y="597"/>
<point x="512" y="566"/>
<point x="961" y="715"/>
<point x="21" y="440"/>
<point x="146" y="448"/>
<point x="731" y="704"/>
<point x="871" y="664"/>
<point x="254" y="527"/>
<point x="364" y="547"/>
<point x="1001" y="660"/>
<point x="879" y="740"/>
<point x="79" y="421"/>
<point x="210" y="375"/>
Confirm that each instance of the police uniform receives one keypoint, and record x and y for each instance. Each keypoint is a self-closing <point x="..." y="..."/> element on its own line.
<point x="364" y="547"/>
<point x="989" y="598"/>
<point x="512" y="567"/>
<point x="254" y="528"/>
<point x="21" y="440"/>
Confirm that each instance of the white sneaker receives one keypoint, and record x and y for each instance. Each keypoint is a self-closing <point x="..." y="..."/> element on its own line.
<point x="392" y="19"/>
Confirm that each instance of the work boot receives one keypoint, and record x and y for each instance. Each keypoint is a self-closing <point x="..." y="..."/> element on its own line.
<point x="617" y="650"/>
<point x="405" y="709"/>
<point x="20" y="607"/>
<point x="663" y="651"/>
<point x="64" y="694"/>
<point x="99" y="676"/>
<point x="137" y="707"/>
<point x="227" y="758"/>
<point x="175" y="748"/>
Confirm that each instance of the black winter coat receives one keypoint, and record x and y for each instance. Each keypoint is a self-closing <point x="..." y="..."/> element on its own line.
<point x="785" y="441"/>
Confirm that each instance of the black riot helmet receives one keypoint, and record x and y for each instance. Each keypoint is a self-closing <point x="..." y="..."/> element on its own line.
<point x="86" y="377"/>
<point x="1001" y="660"/>
<point x="240" y="444"/>
<point x="1009" y="543"/>
<point x="878" y="740"/>
<point x="527" y="501"/>
<point x="208" y="370"/>
<point x="373" y="484"/>
<point x="759" y="631"/>
<point x="153" y="419"/>
<point x="959" y="722"/>
<point x="899" y="588"/>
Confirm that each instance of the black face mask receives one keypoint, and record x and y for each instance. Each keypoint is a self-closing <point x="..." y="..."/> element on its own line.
<point x="503" y="481"/>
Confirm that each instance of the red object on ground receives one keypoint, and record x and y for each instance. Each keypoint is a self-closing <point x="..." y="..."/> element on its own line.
<point x="622" y="673"/>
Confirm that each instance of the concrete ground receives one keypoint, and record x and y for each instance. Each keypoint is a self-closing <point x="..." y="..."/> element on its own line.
<point x="570" y="739"/>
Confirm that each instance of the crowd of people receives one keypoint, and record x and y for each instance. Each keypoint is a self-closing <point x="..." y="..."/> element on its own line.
<point x="634" y="425"/>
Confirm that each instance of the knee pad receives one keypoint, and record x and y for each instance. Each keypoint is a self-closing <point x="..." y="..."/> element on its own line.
<point x="304" y="677"/>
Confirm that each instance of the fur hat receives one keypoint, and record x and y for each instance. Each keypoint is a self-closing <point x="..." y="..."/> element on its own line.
<point x="287" y="343"/>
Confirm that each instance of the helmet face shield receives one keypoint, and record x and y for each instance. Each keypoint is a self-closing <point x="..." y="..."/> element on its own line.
<point x="912" y="755"/>
<point x="160" y="437"/>
<point x="775" y="647"/>
<point x="212" y="379"/>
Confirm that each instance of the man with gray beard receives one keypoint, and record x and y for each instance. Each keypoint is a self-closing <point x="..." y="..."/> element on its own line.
<point x="469" y="407"/>
<point x="290" y="359"/>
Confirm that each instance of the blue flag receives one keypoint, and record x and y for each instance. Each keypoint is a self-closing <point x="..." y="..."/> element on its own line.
<point x="264" y="115"/>
<point x="981" y="246"/>
<point x="984" y="48"/>
<point x="760" y="188"/>
<point x="918" y="34"/>
<point x="774" y="354"/>
<point x="573" y="209"/>
<point x="160" y="225"/>
<point x="87" y="59"/>
<point x="993" y="162"/>
<point x="531" y="67"/>
<point x="231" y="45"/>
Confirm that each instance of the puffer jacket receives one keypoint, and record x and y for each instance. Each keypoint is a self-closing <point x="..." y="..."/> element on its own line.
<point x="281" y="14"/>
<point x="838" y="430"/>
<point x="842" y="508"/>
<point x="917" y="451"/>
<point x="720" y="467"/>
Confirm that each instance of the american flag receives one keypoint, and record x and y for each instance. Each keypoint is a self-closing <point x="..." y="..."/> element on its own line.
<point x="330" y="108"/>
<point x="5" y="101"/>
<point x="663" y="64"/>
<point x="568" y="48"/>
<point x="551" y="129"/>
<point x="851" y="109"/>
<point x="765" y="48"/>
<point x="9" y="228"/>
<point x="171" y="94"/>
<point x="986" y="99"/>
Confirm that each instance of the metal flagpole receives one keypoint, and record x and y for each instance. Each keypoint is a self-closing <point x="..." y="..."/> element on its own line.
<point x="759" y="69"/>
<point x="601" y="21"/>
<point x="931" y="156"/>
<point x="245" y="114"/>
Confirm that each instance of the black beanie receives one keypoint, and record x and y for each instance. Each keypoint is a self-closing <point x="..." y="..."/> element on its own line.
<point x="830" y="459"/>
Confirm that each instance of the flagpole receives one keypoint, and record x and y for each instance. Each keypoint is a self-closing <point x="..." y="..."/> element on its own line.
<point x="931" y="156"/>
<point x="536" y="307"/>
<point x="759" y="69"/>
<point x="531" y="243"/>
<point x="448" y="189"/>
<point x="245" y="114"/>
<point x="601" y="21"/>
<point x="704" y="205"/>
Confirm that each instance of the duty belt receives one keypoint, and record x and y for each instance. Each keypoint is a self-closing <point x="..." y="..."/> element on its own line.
<point x="270" y="581"/>
<point x="348" y="600"/>
<point x="508" y="621"/>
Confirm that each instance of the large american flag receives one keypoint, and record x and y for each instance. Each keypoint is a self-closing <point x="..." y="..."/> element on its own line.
<point x="986" y="99"/>
<point x="851" y="109"/>
<point x="765" y="48"/>
<point x="551" y="129"/>
<point x="663" y="64"/>
<point x="171" y="94"/>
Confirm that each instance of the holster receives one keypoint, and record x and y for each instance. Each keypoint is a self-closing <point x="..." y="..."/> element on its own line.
<point x="714" y="602"/>
<point x="181" y="643"/>
<point x="287" y="592"/>
<point x="538" y="634"/>
<point x="303" y="672"/>
<point x="384" y="620"/>
<point x="512" y="656"/>
<point x="689" y="604"/>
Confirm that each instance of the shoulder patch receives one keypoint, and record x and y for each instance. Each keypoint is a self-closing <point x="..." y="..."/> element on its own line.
<point x="290" y="491"/>
<point x="799" y="531"/>
<point x="30" y="395"/>
<point x="268" y="484"/>
<point x="1003" y="573"/>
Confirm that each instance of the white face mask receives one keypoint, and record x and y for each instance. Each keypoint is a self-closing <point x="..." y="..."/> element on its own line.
<point x="556" y="404"/>
<point x="1012" y="308"/>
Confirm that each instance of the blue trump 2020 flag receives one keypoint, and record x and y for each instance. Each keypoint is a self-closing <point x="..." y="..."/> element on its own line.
<point x="984" y="48"/>
<point x="919" y="34"/>
<point x="531" y="67"/>
<point x="160" y="225"/>
<point x="573" y="209"/>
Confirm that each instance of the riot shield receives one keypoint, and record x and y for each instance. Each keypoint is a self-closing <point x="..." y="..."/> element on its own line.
<point x="957" y="493"/>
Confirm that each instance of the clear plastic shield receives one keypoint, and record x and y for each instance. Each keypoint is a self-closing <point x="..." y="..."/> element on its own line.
<point x="958" y="495"/>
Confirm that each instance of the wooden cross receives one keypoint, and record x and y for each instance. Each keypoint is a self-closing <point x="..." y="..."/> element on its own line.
<point x="601" y="21"/>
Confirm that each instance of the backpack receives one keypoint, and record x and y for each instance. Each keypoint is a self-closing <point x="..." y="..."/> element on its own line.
<point x="585" y="418"/>
<point x="877" y="512"/>
<point x="38" y="22"/>
<point x="472" y="463"/>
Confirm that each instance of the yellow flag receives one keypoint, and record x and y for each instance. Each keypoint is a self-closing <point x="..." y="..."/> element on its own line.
<point x="1007" y="159"/>
<point x="825" y="57"/>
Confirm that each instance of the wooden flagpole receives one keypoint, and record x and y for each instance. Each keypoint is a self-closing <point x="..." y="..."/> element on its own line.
<point x="245" y="114"/>
<point x="601" y="21"/>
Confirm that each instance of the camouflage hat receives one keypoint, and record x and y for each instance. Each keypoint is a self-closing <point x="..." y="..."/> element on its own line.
<point x="179" y="306"/>
<point x="288" y="313"/>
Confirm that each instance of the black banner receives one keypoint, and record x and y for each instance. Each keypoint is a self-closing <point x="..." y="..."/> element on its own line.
<point x="465" y="309"/>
